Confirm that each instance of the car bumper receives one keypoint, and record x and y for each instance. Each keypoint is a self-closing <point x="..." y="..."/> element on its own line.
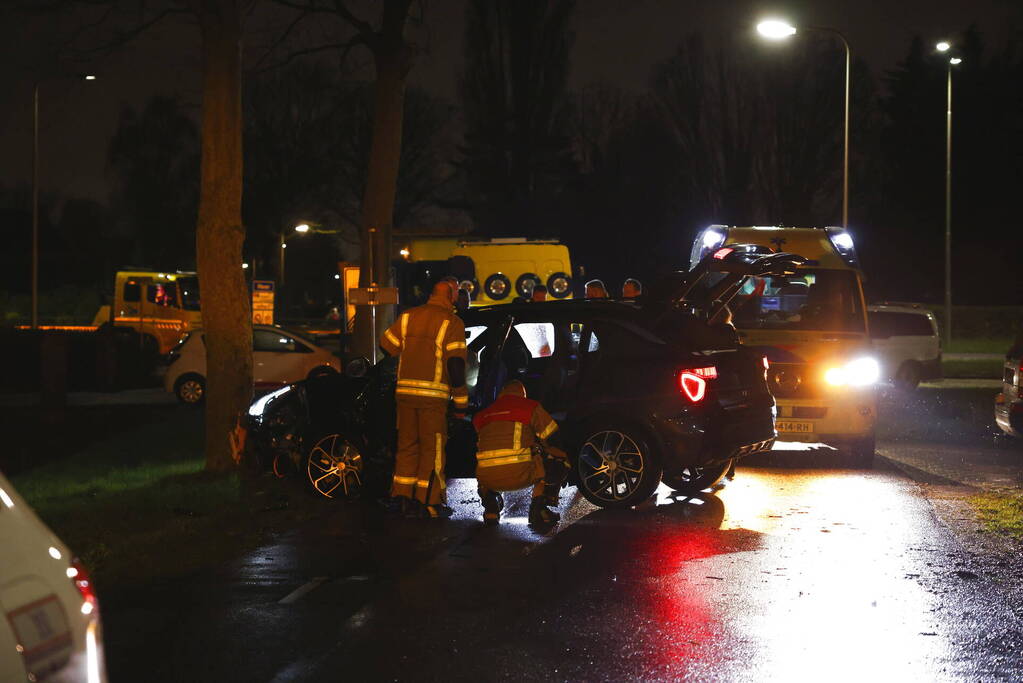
<point x="1009" y="416"/>
<point x="688" y="439"/>
<point x="827" y="420"/>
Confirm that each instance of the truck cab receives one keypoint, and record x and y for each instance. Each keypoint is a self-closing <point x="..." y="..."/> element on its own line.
<point x="812" y="327"/>
<point x="160" y="305"/>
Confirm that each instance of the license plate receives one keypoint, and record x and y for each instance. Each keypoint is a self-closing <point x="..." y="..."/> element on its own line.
<point x="794" y="427"/>
<point x="44" y="639"/>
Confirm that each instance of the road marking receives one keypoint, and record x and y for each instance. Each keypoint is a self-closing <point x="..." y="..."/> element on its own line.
<point x="298" y="593"/>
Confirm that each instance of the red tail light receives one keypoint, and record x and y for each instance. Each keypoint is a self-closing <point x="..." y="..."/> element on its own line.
<point x="721" y="253"/>
<point x="692" y="383"/>
<point x="76" y="572"/>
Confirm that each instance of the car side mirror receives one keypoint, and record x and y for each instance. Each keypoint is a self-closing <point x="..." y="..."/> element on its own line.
<point x="357" y="367"/>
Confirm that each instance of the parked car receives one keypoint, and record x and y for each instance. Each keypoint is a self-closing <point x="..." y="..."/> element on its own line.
<point x="643" y="393"/>
<point x="279" y="356"/>
<point x="1009" y="403"/>
<point x="907" y="343"/>
<point x="52" y="627"/>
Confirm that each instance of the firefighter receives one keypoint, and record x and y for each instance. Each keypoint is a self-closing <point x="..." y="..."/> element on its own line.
<point x="515" y="450"/>
<point x="595" y="289"/>
<point x="431" y="342"/>
<point x="632" y="288"/>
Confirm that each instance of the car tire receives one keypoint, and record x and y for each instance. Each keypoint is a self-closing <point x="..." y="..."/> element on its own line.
<point x="190" y="389"/>
<point x="908" y="376"/>
<point x="321" y="371"/>
<point x="862" y="452"/>
<point x="692" y="480"/>
<point x="625" y="452"/>
<point x="334" y="467"/>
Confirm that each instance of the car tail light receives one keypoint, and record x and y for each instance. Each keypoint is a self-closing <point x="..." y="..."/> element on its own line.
<point x="83" y="582"/>
<point x="693" y="382"/>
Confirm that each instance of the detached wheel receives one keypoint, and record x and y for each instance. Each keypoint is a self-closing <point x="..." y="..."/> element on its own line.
<point x="693" y="480"/>
<point x="335" y="467"/>
<point x="617" y="469"/>
<point x="862" y="452"/>
<point x="190" y="389"/>
<point x="908" y="376"/>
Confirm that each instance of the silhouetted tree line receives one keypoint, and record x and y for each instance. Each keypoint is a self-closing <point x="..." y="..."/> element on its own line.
<point x="725" y="131"/>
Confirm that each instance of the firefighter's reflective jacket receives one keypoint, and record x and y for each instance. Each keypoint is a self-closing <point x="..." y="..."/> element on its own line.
<point x="427" y="337"/>
<point x="509" y="428"/>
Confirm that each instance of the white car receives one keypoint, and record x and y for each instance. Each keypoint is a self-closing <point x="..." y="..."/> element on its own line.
<point x="50" y="629"/>
<point x="279" y="357"/>
<point x="907" y="343"/>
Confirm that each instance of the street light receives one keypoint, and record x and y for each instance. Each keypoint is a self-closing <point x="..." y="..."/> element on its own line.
<point x="35" y="200"/>
<point x="777" y="29"/>
<point x="944" y="46"/>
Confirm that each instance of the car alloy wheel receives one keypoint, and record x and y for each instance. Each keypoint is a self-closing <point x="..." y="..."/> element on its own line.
<point x="191" y="390"/>
<point x="613" y="469"/>
<point x="335" y="467"/>
<point x="692" y="480"/>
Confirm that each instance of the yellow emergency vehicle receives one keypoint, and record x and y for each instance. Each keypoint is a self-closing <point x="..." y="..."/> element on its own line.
<point x="812" y="327"/>
<point x="494" y="271"/>
<point x="161" y="305"/>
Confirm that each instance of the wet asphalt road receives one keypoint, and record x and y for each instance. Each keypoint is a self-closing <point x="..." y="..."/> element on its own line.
<point x="785" y="574"/>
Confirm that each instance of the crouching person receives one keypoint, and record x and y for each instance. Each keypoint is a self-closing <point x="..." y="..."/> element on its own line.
<point x="518" y="448"/>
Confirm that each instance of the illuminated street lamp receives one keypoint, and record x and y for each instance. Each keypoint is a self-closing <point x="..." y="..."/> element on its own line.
<point x="777" y="29"/>
<point x="35" y="199"/>
<point x="943" y="47"/>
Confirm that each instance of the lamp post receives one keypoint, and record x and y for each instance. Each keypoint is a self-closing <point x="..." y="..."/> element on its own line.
<point x="35" y="200"/>
<point x="945" y="46"/>
<point x="777" y="29"/>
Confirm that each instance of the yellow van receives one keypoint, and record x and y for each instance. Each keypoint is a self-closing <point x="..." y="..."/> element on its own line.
<point x="161" y="305"/>
<point x="812" y="327"/>
<point x="494" y="271"/>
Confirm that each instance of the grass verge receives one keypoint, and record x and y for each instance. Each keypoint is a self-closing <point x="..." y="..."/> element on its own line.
<point x="997" y="345"/>
<point x="138" y="505"/>
<point x="1000" y="512"/>
<point x="973" y="369"/>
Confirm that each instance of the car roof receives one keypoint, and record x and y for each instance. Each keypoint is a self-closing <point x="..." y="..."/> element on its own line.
<point x="559" y="307"/>
<point x="898" y="308"/>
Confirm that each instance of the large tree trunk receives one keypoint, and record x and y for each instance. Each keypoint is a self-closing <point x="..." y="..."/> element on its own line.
<point x="227" y="320"/>
<point x="393" y="58"/>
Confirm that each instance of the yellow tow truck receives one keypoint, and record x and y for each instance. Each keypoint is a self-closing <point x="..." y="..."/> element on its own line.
<point x="157" y="304"/>
<point x="812" y="327"/>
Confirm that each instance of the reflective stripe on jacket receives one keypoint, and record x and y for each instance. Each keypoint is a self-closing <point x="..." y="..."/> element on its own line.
<point x="425" y="337"/>
<point x="509" y="429"/>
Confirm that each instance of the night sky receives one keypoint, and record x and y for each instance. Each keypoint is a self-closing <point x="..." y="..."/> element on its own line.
<point x="617" y="41"/>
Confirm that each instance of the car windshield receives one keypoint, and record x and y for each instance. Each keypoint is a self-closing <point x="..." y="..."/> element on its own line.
<point x="189" y="288"/>
<point x="827" y="300"/>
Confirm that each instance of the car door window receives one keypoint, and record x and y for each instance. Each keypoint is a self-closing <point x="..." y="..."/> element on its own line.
<point x="273" y="342"/>
<point x="538" y="338"/>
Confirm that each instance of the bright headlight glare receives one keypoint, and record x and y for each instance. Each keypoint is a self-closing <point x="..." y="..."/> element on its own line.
<point x="257" y="408"/>
<point x="861" y="372"/>
<point x="712" y="238"/>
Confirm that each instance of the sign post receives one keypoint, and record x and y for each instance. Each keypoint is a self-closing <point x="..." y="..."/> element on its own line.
<point x="263" y="302"/>
<point x="373" y="296"/>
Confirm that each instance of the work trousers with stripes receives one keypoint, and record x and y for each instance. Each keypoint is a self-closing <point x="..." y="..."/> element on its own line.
<point x="419" y="460"/>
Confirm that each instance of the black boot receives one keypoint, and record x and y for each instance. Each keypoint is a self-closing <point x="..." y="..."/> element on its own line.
<point x="540" y="516"/>
<point x="550" y="497"/>
<point x="493" y="503"/>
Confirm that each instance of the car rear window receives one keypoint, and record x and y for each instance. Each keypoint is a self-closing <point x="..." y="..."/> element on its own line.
<point x="885" y="324"/>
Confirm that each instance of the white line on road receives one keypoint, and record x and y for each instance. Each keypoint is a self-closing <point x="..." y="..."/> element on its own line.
<point x="298" y="593"/>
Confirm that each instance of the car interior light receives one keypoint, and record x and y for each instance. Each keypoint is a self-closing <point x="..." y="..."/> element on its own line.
<point x="692" y="385"/>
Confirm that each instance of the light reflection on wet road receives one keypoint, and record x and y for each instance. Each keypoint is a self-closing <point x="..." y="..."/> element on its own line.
<point x="786" y="574"/>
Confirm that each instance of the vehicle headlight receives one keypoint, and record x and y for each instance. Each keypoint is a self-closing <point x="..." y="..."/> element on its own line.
<point x="861" y="372"/>
<point x="257" y="408"/>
